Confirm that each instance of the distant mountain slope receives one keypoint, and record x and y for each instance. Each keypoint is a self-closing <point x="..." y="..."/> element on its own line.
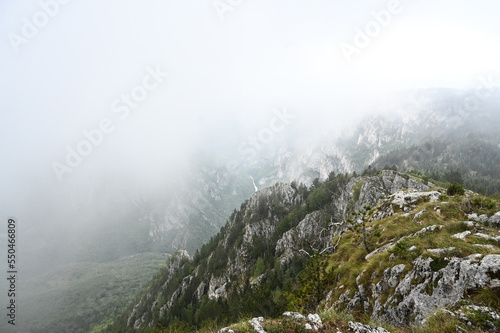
<point x="410" y="118"/>
<point x="107" y="217"/>
<point x="475" y="156"/>
<point x="185" y="213"/>
<point x="77" y="296"/>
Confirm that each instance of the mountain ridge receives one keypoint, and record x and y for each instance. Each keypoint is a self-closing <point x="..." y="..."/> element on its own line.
<point x="418" y="133"/>
<point x="262" y="278"/>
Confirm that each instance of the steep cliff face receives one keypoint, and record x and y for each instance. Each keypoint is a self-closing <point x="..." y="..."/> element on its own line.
<point x="254" y="224"/>
<point x="225" y="265"/>
<point x="138" y="316"/>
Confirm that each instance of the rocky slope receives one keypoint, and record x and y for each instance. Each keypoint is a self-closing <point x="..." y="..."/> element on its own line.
<point x="429" y="131"/>
<point x="399" y="261"/>
<point x="436" y="260"/>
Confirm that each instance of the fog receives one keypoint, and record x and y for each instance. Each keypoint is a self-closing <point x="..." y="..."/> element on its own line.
<point x="215" y="63"/>
<point x="95" y="94"/>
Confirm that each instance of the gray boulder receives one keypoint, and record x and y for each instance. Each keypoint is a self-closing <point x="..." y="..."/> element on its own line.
<point x="495" y="219"/>
<point x="360" y="328"/>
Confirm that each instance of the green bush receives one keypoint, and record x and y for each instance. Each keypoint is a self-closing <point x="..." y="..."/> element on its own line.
<point x="455" y="188"/>
<point x="357" y="190"/>
<point x="260" y="267"/>
<point x="483" y="203"/>
<point x="482" y="319"/>
<point x="318" y="198"/>
<point x="438" y="263"/>
<point x="401" y="249"/>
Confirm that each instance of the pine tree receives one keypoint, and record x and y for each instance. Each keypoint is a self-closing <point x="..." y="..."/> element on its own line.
<point x="312" y="282"/>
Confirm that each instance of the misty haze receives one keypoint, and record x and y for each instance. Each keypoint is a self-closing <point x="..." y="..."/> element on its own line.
<point x="250" y="166"/>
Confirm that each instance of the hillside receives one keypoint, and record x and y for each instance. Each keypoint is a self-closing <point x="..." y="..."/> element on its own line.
<point x="405" y="120"/>
<point x="388" y="247"/>
<point x="472" y="159"/>
<point x="113" y="216"/>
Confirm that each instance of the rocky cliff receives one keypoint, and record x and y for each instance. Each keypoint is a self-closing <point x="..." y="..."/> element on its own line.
<point x="389" y="245"/>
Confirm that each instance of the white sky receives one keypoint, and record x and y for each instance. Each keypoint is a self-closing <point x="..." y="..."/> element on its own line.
<point x="264" y="54"/>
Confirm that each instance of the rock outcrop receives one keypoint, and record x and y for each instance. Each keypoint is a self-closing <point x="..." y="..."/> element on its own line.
<point x="276" y="230"/>
<point x="173" y="266"/>
<point x="404" y="293"/>
<point x="396" y="189"/>
<point x="360" y="328"/>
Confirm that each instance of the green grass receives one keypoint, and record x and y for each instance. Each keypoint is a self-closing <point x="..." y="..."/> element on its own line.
<point x="441" y="323"/>
<point x="349" y="260"/>
<point x="486" y="297"/>
<point x="356" y="190"/>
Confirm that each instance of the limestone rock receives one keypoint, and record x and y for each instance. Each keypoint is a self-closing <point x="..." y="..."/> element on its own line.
<point x="471" y="224"/>
<point x="257" y="281"/>
<point x="441" y="252"/>
<point x="425" y="287"/>
<point x="181" y="289"/>
<point x="462" y="235"/>
<point x="217" y="287"/>
<point x="360" y="328"/>
<point x="307" y="229"/>
<point x="418" y="215"/>
<point x="294" y="315"/>
<point x="486" y="246"/>
<point x="487" y="314"/>
<point x="482" y="218"/>
<point x="427" y="229"/>
<point x="201" y="290"/>
<point x="255" y="322"/>
<point x="489" y="311"/>
<point x="379" y="250"/>
<point x="495" y="219"/>
<point x="315" y="320"/>
<point x="403" y="198"/>
<point x="479" y="234"/>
